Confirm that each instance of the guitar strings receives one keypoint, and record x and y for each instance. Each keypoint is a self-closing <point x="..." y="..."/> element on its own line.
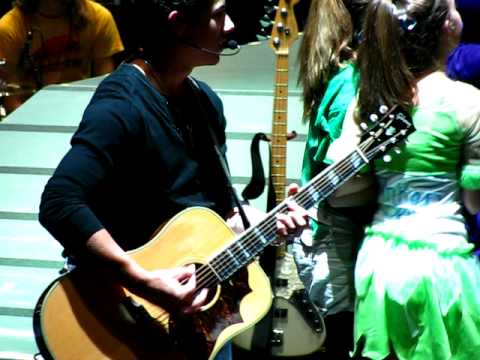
<point x="266" y="226"/>
<point x="207" y="279"/>
<point x="302" y="197"/>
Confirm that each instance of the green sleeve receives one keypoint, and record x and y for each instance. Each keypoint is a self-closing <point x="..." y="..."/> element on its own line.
<point x="328" y="121"/>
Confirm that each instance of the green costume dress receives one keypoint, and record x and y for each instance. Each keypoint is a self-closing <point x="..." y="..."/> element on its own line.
<point x="417" y="282"/>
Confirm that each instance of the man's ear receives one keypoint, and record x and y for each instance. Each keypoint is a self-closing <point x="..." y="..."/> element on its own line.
<point x="176" y="21"/>
<point x="174" y="17"/>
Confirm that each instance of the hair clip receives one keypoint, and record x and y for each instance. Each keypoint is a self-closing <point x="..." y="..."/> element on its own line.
<point x="358" y="37"/>
<point x="406" y="22"/>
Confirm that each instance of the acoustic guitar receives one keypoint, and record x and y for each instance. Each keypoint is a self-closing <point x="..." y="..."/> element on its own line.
<point x="83" y="316"/>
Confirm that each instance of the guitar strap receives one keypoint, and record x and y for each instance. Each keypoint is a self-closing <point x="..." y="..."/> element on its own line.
<point x="223" y="164"/>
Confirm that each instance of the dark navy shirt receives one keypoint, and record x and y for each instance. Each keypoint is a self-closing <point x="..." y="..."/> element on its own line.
<point x="133" y="164"/>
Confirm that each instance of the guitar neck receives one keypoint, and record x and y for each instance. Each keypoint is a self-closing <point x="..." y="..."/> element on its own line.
<point x="278" y="168"/>
<point x="253" y="241"/>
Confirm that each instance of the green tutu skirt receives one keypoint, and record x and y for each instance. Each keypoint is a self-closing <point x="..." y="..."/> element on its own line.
<point x="416" y="299"/>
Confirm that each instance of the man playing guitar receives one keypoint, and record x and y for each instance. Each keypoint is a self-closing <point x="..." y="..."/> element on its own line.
<point x="144" y="151"/>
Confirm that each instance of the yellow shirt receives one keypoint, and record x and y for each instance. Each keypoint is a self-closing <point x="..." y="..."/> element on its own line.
<point x="59" y="53"/>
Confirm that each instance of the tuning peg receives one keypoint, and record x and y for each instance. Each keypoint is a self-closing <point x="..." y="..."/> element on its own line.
<point x="373" y="117"/>
<point x="363" y="126"/>
<point x="383" y="109"/>
<point x="263" y="34"/>
<point x="387" y="158"/>
<point x="266" y="19"/>
<point x="276" y="42"/>
<point x="397" y="150"/>
<point x="270" y="11"/>
<point x="266" y="22"/>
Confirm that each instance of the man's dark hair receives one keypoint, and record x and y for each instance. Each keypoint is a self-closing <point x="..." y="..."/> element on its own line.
<point x="189" y="8"/>
<point x="148" y="25"/>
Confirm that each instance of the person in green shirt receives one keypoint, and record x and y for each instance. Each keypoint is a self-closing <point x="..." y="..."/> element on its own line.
<point x="325" y="256"/>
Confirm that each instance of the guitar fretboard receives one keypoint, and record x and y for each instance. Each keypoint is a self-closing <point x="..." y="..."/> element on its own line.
<point x="253" y="241"/>
<point x="279" y="128"/>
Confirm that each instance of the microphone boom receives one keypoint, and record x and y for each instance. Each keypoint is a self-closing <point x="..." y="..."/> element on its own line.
<point x="231" y="45"/>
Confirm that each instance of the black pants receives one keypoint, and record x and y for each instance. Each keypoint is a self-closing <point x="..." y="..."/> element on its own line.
<point x="339" y="340"/>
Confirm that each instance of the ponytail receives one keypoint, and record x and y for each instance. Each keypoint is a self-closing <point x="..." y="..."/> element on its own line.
<point x="401" y="43"/>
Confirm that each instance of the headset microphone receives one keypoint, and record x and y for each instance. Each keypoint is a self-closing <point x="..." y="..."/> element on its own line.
<point x="230" y="44"/>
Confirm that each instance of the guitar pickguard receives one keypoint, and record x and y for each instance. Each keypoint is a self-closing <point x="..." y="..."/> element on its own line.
<point x="201" y="331"/>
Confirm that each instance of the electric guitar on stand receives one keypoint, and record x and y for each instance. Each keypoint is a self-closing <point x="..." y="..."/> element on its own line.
<point x="295" y="328"/>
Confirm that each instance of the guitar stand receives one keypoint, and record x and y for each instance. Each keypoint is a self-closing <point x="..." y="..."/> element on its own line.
<point x="256" y="186"/>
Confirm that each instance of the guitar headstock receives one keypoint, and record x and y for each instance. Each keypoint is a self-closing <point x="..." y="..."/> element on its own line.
<point x="284" y="28"/>
<point x="384" y="130"/>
